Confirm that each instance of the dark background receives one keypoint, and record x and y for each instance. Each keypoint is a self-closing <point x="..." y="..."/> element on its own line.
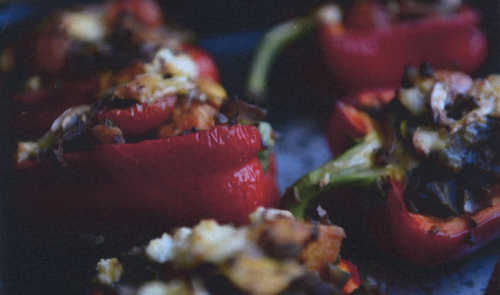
<point x="229" y="30"/>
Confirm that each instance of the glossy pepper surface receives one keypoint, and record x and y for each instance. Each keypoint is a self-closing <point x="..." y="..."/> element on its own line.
<point x="165" y="145"/>
<point x="367" y="49"/>
<point x="180" y="179"/>
<point x="419" y="238"/>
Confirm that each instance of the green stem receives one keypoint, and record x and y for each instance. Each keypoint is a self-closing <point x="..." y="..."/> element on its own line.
<point x="355" y="167"/>
<point x="273" y="42"/>
<point x="47" y="141"/>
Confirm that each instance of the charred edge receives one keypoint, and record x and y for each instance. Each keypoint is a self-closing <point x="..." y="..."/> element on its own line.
<point x="426" y="70"/>
<point x="409" y="77"/>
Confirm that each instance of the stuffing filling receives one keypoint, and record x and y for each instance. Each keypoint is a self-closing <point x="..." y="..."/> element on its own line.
<point x="157" y="100"/>
<point x="448" y="126"/>
<point x="276" y="254"/>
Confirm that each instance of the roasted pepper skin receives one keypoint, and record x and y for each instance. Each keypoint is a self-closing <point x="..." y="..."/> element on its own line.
<point x="179" y="180"/>
<point x="354" y="281"/>
<point x="140" y="118"/>
<point x="364" y="59"/>
<point x="413" y="237"/>
<point x="418" y="239"/>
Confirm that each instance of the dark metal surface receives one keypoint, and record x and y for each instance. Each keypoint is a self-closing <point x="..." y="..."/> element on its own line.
<point x="494" y="284"/>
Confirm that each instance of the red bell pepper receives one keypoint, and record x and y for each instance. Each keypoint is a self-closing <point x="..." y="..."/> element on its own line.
<point x="180" y="179"/>
<point x="140" y="118"/>
<point x="419" y="238"/>
<point x="52" y="64"/>
<point x="206" y="65"/>
<point x="368" y="48"/>
<point x="354" y="281"/>
<point x="164" y="145"/>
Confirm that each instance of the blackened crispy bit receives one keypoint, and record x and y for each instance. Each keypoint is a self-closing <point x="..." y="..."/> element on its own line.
<point x="470" y="239"/>
<point x="370" y="286"/>
<point x="337" y="275"/>
<point x="223" y="259"/>
<point x="233" y="119"/>
<point x="313" y="284"/>
<point x="239" y="111"/>
<point x="409" y="77"/>
<point x="322" y="215"/>
<point x="470" y="221"/>
<point x="449" y="166"/>
<point x="425" y="70"/>
<point x="462" y="105"/>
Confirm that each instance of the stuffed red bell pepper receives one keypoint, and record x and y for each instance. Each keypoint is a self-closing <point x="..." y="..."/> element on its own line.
<point x="275" y="254"/>
<point x="359" y="39"/>
<point x="166" y="144"/>
<point x="423" y="171"/>
<point x="72" y="54"/>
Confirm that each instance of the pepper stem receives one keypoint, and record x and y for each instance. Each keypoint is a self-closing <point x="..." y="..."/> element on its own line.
<point x="355" y="167"/>
<point x="273" y="42"/>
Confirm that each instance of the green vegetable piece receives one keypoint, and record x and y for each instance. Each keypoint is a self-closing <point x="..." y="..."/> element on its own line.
<point x="355" y="167"/>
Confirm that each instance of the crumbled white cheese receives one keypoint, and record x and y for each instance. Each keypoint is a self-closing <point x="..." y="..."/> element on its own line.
<point x="181" y="248"/>
<point x="166" y="62"/>
<point x="109" y="271"/>
<point x="198" y="287"/>
<point x="25" y="150"/>
<point x="426" y="141"/>
<point x="264" y="214"/>
<point x="160" y="288"/>
<point x="211" y="242"/>
<point x="161" y="249"/>
<point x="86" y="26"/>
<point x="439" y="99"/>
<point x="33" y="83"/>
<point x="149" y="87"/>
<point x="413" y="99"/>
<point x="330" y="14"/>
<point x="488" y="99"/>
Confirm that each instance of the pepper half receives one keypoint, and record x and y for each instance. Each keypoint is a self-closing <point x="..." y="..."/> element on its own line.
<point x="74" y="53"/>
<point x="412" y="167"/>
<point x="208" y="174"/>
<point x="165" y="145"/>
<point x="372" y="44"/>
